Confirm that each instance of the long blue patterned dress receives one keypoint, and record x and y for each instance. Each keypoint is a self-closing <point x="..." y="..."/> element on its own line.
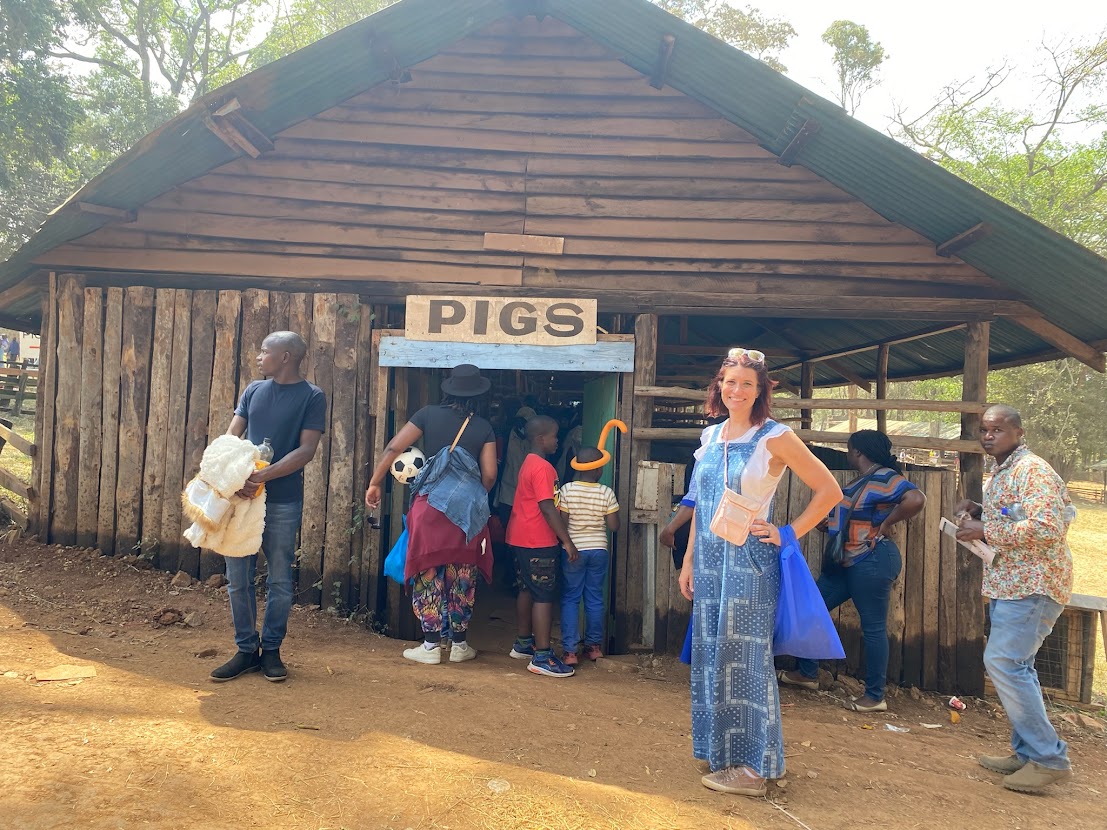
<point x="735" y="700"/>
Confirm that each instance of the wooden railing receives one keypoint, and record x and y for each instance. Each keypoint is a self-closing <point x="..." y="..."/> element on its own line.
<point x="18" y="385"/>
<point x="10" y="481"/>
<point x="821" y="436"/>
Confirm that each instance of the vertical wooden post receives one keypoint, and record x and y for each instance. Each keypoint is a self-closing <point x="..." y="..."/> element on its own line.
<point x="109" y="437"/>
<point x="807" y="390"/>
<point x="172" y="515"/>
<point x="363" y="439"/>
<point x="67" y="426"/>
<point x="882" y="385"/>
<point x="970" y="606"/>
<point x="199" y="405"/>
<point x="851" y="392"/>
<point x="339" y="506"/>
<point x="645" y="374"/>
<point x="42" y="403"/>
<point x="401" y="618"/>
<point x="157" y="421"/>
<point x="92" y="393"/>
<point x="376" y="593"/>
<point x="134" y="385"/>
<point x="255" y="326"/>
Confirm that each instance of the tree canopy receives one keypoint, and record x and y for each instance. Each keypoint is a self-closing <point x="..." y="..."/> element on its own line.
<point x="857" y="58"/>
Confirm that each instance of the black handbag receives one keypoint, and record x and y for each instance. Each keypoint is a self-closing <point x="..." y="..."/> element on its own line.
<point x="834" y="553"/>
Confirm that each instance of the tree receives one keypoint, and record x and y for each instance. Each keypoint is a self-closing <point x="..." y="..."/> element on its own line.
<point x="857" y="58"/>
<point x="1048" y="160"/>
<point x="748" y="29"/>
<point x="304" y="22"/>
<point x="37" y="118"/>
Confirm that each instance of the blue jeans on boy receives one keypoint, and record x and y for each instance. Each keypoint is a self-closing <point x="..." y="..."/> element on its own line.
<point x="583" y="578"/>
<point x="869" y="584"/>
<point x="1019" y="626"/>
<point x="278" y="541"/>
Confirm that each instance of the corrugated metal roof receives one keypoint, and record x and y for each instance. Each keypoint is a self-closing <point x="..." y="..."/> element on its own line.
<point x="1064" y="281"/>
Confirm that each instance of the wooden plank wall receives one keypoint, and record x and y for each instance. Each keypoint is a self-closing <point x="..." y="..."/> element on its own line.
<point x="138" y="381"/>
<point x="529" y="127"/>
<point x="928" y="645"/>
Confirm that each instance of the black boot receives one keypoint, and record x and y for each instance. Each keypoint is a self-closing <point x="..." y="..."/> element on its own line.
<point x="271" y="665"/>
<point x="243" y="662"/>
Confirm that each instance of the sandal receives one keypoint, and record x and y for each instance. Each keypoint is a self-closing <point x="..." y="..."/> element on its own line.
<point x="855" y="706"/>
<point x="736" y="781"/>
<point x="788" y="679"/>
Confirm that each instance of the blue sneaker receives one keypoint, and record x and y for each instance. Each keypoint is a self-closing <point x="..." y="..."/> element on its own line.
<point x="522" y="652"/>
<point x="550" y="665"/>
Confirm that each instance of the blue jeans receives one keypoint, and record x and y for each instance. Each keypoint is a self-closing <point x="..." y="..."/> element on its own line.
<point x="278" y="541"/>
<point x="868" y="583"/>
<point x="1019" y="626"/>
<point x="582" y="578"/>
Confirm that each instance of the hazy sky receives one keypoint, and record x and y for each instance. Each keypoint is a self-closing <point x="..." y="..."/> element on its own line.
<point x="932" y="43"/>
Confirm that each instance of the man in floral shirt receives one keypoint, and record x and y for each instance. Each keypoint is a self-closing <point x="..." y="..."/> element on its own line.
<point x="1028" y="585"/>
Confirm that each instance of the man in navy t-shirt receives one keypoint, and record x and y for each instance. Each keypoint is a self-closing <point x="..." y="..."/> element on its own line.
<point x="291" y="413"/>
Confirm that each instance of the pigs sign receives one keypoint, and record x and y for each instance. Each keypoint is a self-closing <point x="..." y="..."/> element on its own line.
<point x="513" y="320"/>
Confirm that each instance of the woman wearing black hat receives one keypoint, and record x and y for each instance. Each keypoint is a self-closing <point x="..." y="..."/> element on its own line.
<point x="448" y="542"/>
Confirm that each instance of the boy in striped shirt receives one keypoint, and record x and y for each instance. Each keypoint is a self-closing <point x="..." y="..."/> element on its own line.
<point x="591" y="510"/>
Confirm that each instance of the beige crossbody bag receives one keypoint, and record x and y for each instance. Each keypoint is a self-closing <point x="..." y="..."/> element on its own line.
<point x="735" y="512"/>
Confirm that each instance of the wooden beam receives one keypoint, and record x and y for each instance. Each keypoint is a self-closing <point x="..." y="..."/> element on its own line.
<point x="848" y="374"/>
<point x="974" y="388"/>
<point x="963" y="240"/>
<point x="112" y="214"/>
<point x="882" y="353"/>
<point x="1057" y="336"/>
<point x="18" y="441"/>
<point x="930" y="331"/>
<point x="17" y="485"/>
<point x="807" y="389"/>
<point x="664" y="61"/>
<point x="860" y="404"/>
<point x="718" y="352"/>
<point x="237" y="131"/>
<point x="806" y="132"/>
<point x="522" y="243"/>
<point x="821" y="437"/>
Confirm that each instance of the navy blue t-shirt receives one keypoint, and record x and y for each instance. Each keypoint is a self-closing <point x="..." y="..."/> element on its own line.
<point x="279" y="412"/>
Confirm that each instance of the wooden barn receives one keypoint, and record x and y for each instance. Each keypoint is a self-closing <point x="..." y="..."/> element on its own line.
<point x="591" y="201"/>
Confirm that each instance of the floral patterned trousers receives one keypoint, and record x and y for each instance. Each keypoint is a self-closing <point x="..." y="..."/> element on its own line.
<point x="443" y="598"/>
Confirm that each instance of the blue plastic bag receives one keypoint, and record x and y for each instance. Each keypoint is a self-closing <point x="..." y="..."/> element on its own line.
<point x="396" y="560"/>
<point x="686" y="652"/>
<point x="803" y="625"/>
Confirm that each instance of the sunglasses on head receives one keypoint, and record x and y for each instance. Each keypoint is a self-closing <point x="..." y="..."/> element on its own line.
<point x="752" y="355"/>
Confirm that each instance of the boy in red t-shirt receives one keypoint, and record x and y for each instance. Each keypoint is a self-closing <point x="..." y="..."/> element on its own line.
<point x="533" y="532"/>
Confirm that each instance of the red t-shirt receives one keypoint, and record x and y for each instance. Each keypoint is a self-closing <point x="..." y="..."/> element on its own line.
<point x="527" y="527"/>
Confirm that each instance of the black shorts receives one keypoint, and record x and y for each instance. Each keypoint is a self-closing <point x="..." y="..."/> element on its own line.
<point x="537" y="570"/>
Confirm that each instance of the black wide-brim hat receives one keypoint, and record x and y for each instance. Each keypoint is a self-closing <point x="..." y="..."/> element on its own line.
<point x="465" y="381"/>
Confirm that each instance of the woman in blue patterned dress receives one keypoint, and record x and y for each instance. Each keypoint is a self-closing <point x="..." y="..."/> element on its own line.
<point x="735" y="701"/>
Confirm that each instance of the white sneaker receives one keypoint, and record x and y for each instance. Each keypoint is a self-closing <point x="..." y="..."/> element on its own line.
<point x="462" y="652"/>
<point x="423" y="655"/>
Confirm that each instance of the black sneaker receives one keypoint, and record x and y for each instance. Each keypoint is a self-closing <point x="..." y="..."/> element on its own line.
<point x="243" y="662"/>
<point x="271" y="665"/>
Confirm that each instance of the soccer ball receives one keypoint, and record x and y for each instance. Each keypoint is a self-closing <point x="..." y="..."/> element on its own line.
<point x="408" y="464"/>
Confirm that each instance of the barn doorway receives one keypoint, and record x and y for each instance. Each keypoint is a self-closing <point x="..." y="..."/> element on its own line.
<point x="579" y="387"/>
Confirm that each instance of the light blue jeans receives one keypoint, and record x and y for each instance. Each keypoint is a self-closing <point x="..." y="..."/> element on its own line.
<point x="1019" y="626"/>
<point x="583" y="578"/>
<point x="278" y="541"/>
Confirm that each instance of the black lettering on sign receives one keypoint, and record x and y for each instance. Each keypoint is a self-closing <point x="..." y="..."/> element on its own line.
<point x="480" y="317"/>
<point x="437" y="319"/>
<point x="572" y="320"/>
<point x="525" y="324"/>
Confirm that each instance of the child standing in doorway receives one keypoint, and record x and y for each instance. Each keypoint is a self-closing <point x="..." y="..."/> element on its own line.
<point x="591" y="510"/>
<point x="533" y="532"/>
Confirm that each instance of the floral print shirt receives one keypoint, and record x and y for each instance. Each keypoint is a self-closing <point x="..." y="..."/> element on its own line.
<point x="1032" y="556"/>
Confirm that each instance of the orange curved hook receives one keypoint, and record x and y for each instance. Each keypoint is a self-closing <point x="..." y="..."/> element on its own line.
<point x="606" y="457"/>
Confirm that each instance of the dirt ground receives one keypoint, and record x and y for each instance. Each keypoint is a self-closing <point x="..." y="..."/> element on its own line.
<point x="359" y="738"/>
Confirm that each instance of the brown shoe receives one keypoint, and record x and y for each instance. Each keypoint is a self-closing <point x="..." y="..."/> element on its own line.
<point x="1034" y="778"/>
<point x="1003" y="764"/>
<point x="736" y="781"/>
<point x="570" y="658"/>
<point x="794" y="678"/>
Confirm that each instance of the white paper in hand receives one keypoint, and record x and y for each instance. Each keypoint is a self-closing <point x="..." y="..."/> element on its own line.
<point x="976" y="546"/>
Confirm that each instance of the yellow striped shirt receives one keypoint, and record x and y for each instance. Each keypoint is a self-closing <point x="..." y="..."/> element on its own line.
<point x="587" y="503"/>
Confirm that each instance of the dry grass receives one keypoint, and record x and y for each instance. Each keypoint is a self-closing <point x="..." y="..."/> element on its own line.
<point x="12" y="459"/>
<point x="1088" y="541"/>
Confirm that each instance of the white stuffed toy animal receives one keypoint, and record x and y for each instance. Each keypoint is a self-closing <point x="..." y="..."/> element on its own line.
<point x="222" y="521"/>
